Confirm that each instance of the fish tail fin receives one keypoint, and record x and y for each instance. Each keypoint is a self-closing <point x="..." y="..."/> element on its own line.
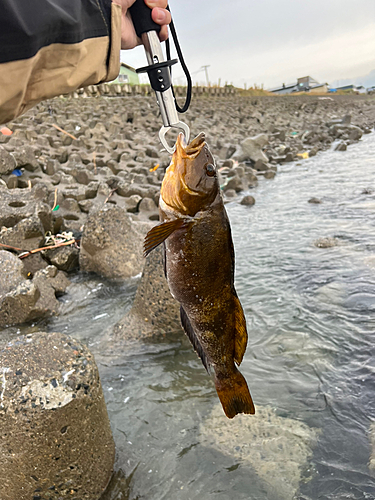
<point x="234" y="395"/>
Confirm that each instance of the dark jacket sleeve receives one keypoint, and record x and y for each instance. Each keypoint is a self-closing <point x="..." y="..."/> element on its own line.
<point x="52" y="47"/>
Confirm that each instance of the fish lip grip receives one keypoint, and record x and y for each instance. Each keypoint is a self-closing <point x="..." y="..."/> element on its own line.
<point x="158" y="72"/>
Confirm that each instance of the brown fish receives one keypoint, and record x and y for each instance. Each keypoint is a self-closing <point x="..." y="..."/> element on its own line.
<point x="199" y="266"/>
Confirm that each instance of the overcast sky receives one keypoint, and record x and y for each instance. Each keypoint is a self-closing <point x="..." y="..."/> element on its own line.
<point x="271" y="42"/>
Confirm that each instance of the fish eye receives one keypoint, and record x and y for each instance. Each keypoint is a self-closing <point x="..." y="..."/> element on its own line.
<point x="210" y="170"/>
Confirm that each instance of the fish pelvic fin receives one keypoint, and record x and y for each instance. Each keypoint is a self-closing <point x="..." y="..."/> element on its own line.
<point x="160" y="233"/>
<point x="234" y="394"/>
<point x="189" y="330"/>
<point x="240" y="339"/>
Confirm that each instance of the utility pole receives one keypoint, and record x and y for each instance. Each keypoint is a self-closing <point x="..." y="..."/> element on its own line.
<point x="205" y="70"/>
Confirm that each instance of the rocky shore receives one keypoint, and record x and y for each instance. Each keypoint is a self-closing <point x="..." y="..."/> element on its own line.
<point x="80" y="177"/>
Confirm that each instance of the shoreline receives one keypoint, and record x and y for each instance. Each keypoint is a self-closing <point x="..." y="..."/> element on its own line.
<point x="96" y="182"/>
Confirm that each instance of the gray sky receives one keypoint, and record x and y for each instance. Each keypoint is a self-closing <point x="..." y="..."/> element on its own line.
<point x="271" y="42"/>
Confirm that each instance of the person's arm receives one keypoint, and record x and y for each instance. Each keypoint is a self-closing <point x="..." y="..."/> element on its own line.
<point x="53" y="47"/>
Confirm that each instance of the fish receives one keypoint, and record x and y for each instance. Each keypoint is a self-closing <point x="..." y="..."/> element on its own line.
<point x="199" y="268"/>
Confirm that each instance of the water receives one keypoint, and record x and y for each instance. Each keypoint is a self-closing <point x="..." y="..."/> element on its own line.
<point x="309" y="361"/>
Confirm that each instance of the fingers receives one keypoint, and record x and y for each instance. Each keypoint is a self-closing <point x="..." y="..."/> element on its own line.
<point x="160" y="16"/>
<point x="163" y="33"/>
<point x="161" y="4"/>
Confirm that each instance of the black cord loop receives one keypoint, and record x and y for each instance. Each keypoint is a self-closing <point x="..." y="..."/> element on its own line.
<point x="185" y="107"/>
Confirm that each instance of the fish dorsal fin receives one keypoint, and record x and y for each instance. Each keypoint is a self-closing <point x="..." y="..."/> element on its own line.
<point x="189" y="330"/>
<point x="240" y="339"/>
<point x="160" y="233"/>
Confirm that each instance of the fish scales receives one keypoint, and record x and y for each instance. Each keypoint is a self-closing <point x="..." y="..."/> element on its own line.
<point x="199" y="266"/>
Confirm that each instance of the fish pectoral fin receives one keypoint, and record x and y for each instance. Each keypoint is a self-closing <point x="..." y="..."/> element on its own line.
<point x="240" y="340"/>
<point x="160" y="233"/>
<point x="189" y="330"/>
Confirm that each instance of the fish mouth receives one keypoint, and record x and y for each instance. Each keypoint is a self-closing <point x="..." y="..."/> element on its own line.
<point x="192" y="149"/>
<point x="174" y="184"/>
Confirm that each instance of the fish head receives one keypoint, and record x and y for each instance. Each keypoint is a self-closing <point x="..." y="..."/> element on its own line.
<point x="190" y="183"/>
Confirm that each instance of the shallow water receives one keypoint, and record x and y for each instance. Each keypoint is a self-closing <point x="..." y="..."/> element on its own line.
<point x="309" y="361"/>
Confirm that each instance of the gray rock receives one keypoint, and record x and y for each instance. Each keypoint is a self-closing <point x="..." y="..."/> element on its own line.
<point x="272" y="445"/>
<point x="269" y="174"/>
<point x="15" y="306"/>
<point x="372" y="439"/>
<point x="18" y="204"/>
<point x="50" y="167"/>
<point x="7" y="162"/>
<point x="24" y="300"/>
<point x="230" y="193"/>
<point x="27" y="234"/>
<point x="53" y="418"/>
<point x="25" y="158"/>
<point x="147" y="205"/>
<point x="237" y="183"/>
<point x="261" y="166"/>
<point x="12" y="182"/>
<point x="248" y="200"/>
<point x="51" y="284"/>
<point x="315" y="200"/>
<point x="341" y="146"/>
<point x="328" y="242"/>
<point x="11" y="272"/>
<point x="64" y="258"/>
<point x="112" y="244"/>
<point x="252" y="149"/>
<point x="154" y="312"/>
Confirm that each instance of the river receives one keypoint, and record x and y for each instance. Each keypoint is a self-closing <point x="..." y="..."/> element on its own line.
<point x="309" y="361"/>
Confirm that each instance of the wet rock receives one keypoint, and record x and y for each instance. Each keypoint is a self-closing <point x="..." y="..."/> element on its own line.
<point x="237" y="183"/>
<point x="112" y="244"/>
<point x="269" y="174"/>
<point x="341" y="146"/>
<point x="24" y="300"/>
<point x="154" y="312"/>
<point x="248" y="200"/>
<point x="355" y="133"/>
<point x="274" y="446"/>
<point x="315" y="200"/>
<point x="51" y="284"/>
<point x="15" y="306"/>
<point x="54" y="425"/>
<point x="230" y="193"/>
<point x="328" y="242"/>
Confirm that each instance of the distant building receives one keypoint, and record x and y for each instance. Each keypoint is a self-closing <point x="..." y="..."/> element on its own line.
<point x="127" y="75"/>
<point x="303" y="84"/>
<point x="357" y="89"/>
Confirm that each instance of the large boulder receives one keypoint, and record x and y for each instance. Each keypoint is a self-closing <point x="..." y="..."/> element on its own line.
<point x="27" y="234"/>
<point x="154" y="312"/>
<point x="23" y="300"/>
<point x="252" y="149"/>
<point x="112" y="243"/>
<point x="54" y="427"/>
<point x="275" y="447"/>
<point x="18" y="204"/>
<point x="11" y="272"/>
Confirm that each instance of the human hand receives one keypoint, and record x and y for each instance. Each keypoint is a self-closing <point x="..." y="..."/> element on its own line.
<point x="159" y="14"/>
